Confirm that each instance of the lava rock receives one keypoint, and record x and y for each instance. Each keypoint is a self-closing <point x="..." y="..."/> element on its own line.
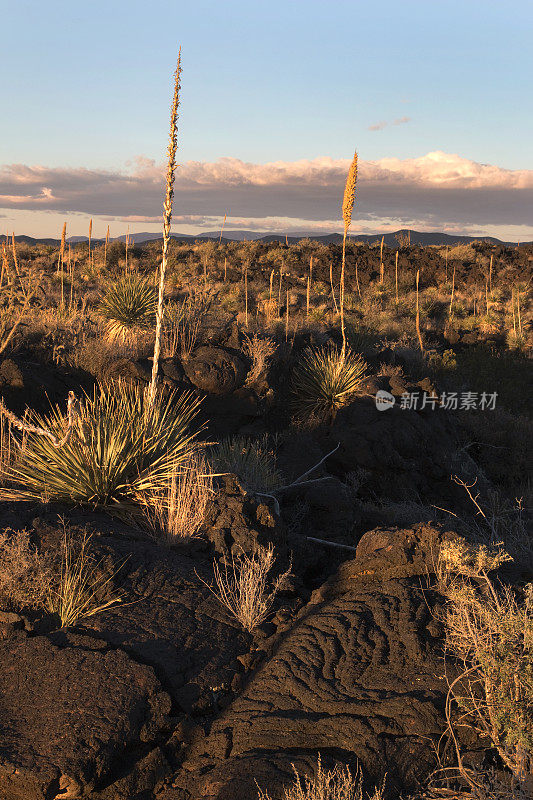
<point x="68" y="713"/>
<point x="215" y="370"/>
<point x="355" y="677"/>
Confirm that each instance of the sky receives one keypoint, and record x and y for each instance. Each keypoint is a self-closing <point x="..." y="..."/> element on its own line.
<point x="433" y="94"/>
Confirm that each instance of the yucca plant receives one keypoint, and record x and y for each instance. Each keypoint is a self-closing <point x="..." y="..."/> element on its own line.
<point x="253" y="462"/>
<point x="129" y="305"/>
<point x="124" y="447"/>
<point x="326" y="380"/>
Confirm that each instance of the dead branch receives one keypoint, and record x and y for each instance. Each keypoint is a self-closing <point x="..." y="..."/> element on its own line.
<point x="73" y="416"/>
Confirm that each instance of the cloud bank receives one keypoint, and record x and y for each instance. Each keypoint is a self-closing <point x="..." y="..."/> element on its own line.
<point x="438" y="190"/>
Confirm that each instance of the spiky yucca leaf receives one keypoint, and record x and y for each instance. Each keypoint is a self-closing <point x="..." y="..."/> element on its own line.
<point x="326" y="380"/>
<point x="125" y="446"/>
<point x="129" y="304"/>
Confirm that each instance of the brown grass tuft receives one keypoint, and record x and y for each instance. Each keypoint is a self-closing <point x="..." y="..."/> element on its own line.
<point x="179" y="513"/>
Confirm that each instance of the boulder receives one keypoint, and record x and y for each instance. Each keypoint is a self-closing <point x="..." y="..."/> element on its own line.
<point x="70" y="709"/>
<point x="406" y="452"/>
<point x="215" y="370"/>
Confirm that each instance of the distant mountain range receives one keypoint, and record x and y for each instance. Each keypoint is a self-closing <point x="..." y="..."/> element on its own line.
<point x="390" y="239"/>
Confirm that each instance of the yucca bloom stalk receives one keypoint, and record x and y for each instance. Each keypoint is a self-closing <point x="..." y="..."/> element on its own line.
<point x="5" y="264"/>
<point x="16" y="264"/>
<point x="347" y="209"/>
<point x="63" y="240"/>
<point x="167" y="220"/>
<point x="127" y="246"/>
<point x="417" y="318"/>
<point x="106" y="246"/>
<point x="396" y="276"/>
<point x="222" y="229"/>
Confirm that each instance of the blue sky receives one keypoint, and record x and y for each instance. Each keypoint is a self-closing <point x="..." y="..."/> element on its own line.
<point x="87" y="85"/>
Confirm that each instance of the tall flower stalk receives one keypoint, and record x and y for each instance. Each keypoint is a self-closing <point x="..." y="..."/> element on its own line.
<point x="347" y="208"/>
<point x="167" y="219"/>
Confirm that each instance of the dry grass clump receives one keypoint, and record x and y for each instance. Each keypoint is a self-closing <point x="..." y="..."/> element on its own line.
<point x="489" y="628"/>
<point x="84" y="587"/>
<point x="244" y="588"/>
<point x="325" y="381"/>
<point x="499" y="520"/>
<point x="252" y="460"/>
<point x="178" y="513"/>
<point x="128" y="305"/>
<point x="120" y="448"/>
<point x="182" y="325"/>
<point x="335" y="784"/>
<point x="259" y="351"/>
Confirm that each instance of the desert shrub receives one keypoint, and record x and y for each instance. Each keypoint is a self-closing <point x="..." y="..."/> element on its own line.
<point x="251" y="460"/>
<point x="490" y="629"/>
<point x="486" y="369"/>
<point x="244" y="588"/>
<point x="326" y="380"/>
<point x="318" y="314"/>
<point x="503" y="448"/>
<point x="259" y="351"/>
<point x="461" y="252"/>
<point x="115" y="252"/>
<point x="123" y="447"/>
<point x="25" y="578"/>
<point x="129" y="304"/>
<point x="172" y="329"/>
<point x="516" y="341"/>
<point x="336" y="784"/>
<point x="362" y="340"/>
<point x="178" y="512"/>
<point x="14" y="303"/>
